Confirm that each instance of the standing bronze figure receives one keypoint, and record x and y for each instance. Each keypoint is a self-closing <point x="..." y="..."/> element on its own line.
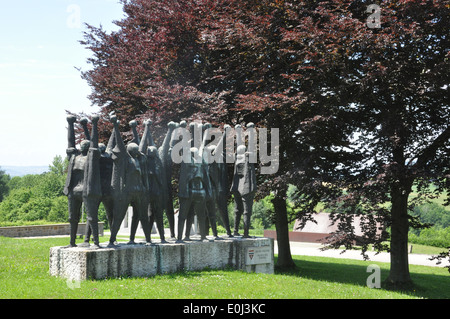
<point x="243" y="187"/>
<point x="83" y="180"/>
<point x="129" y="184"/>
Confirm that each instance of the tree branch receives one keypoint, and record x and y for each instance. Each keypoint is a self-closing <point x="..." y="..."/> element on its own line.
<point x="429" y="152"/>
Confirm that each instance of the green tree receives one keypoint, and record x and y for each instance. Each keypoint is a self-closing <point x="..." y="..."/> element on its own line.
<point x="59" y="166"/>
<point x="10" y="207"/>
<point x="4" y="180"/>
<point x="37" y="196"/>
<point x="432" y="213"/>
<point x="58" y="211"/>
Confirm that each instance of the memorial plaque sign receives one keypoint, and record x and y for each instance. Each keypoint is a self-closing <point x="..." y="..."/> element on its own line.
<point x="258" y="255"/>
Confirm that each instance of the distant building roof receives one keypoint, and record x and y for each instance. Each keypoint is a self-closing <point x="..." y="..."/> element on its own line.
<point x="325" y="225"/>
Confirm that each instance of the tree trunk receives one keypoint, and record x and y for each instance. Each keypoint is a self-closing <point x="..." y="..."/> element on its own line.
<point x="284" y="261"/>
<point x="399" y="272"/>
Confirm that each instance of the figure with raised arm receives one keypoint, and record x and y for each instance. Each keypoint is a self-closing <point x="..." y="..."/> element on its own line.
<point x="158" y="184"/>
<point x="193" y="192"/>
<point x="210" y="159"/>
<point x="243" y="186"/>
<point x="218" y="172"/>
<point x="129" y="184"/>
<point x="92" y="192"/>
<point x="74" y="185"/>
<point x="106" y="165"/>
<point x="167" y="162"/>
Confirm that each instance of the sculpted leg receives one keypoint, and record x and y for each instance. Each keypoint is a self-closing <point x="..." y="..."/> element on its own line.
<point x="75" y="203"/>
<point x="189" y="222"/>
<point x="119" y="212"/>
<point x="248" y="206"/>
<point x="170" y="212"/>
<point x="134" y="226"/>
<point x="108" y="204"/>
<point x="87" y="235"/>
<point x="222" y="204"/>
<point x="92" y="205"/>
<point x="238" y="210"/>
<point x="140" y="206"/>
<point x="200" y="211"/>
<point x="211" y="214"/>
<point x="185" y="204"/>
<point x="157" y="215"/>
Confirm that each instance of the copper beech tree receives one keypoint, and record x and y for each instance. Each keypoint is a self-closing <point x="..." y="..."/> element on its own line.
<point x="361" y="104"/>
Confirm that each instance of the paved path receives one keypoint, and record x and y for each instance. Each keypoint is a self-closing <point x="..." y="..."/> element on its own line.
<point x="312" y="249"/>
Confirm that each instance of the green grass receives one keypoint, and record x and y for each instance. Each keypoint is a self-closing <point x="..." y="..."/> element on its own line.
<point x="24" y="274"/>
<point x="426" y="250"/>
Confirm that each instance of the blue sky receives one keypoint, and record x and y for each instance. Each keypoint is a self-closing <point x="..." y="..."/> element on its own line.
<point x="39" y="51"/>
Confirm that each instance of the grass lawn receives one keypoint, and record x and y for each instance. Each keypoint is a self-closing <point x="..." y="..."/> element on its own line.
<point x="24" y="267"/>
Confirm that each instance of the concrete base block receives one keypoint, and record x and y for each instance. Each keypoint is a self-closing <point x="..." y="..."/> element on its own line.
<point x="140" y="260"/>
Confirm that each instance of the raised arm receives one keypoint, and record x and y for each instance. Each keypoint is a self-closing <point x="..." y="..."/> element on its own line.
<point x="206" y="136"/>
<point x="251" y="149"/>
<point x="133" y="125"/>
<point x="239" y="136"/>
<point x="71" y="132"/>
<point x="111" y="141"/>
<point x="146" y="137"/>
<point x="120" y="145"/>
<point x="175" y="138"/>
<point x="221" y="146"/>
<point x="83" y="123"/>
<point x="164" y="149"/>
<point x="94" y="137"/>
<point x="150" y="140"/>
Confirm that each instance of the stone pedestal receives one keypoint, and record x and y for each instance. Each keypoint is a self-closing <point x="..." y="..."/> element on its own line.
<point x="139" y="260"/>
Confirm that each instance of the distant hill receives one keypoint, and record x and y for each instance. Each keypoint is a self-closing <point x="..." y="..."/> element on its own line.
<point x="23" y="170"/>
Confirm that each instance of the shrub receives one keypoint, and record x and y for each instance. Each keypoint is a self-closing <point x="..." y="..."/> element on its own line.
<point x="36" y="209"/>
<point x="437" y="237"/>
<point x="59" y="210"/>
<point x="11" y="205"/>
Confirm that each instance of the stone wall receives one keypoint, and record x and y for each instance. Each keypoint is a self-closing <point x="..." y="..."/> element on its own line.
<point x="44" y="230"/>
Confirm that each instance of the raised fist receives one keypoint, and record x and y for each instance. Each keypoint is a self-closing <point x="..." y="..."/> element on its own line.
<point x="172" y="125"/>
<point x="133" y="123"/>
<point x="83" y="121"/>
<point x="95" y="118"/>
<point x="71" y="119"/>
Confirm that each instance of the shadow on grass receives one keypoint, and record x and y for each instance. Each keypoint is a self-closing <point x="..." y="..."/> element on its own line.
<point x="424" y="285"/>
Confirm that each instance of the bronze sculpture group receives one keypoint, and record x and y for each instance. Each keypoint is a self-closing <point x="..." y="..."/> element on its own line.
<point x="139" y="174"/>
